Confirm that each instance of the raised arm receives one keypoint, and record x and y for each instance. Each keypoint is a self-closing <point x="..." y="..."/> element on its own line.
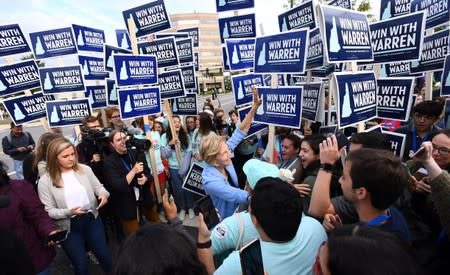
<point x="245" y="124"/>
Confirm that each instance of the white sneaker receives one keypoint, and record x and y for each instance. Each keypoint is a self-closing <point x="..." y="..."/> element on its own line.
<point x="182" y="215"/>
<point x="191" y="213"/>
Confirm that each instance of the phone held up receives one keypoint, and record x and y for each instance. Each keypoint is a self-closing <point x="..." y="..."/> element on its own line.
<point x="206" y="207"/>
<point x="58" y="237"/>
<point x="251" y="258"/>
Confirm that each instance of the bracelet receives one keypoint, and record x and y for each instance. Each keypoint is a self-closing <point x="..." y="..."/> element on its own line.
<point x="204" y="245"/>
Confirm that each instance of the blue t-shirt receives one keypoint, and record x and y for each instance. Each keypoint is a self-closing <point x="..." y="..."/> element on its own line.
<point x="396" y="224"/>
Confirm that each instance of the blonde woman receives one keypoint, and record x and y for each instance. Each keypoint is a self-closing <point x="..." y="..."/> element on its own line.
<point x="69" y="192"/>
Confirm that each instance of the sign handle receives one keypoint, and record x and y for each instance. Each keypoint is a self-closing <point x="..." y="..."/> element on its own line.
<point x="168" y="112"/>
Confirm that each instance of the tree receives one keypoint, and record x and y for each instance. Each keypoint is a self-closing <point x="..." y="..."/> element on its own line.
<point x="39" y="63"/>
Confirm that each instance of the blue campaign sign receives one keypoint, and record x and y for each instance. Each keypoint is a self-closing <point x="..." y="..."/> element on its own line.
<point x="226" y="62"/>
<point x="53" y="43"/>
<point x="139" y="102"/>
<point x="96" y="96"/>
<point x="301" y="16"/>
<point x="394" y="8"/>
<point x="312" y="97"/>
<point x="345" y="4"/>
<point x="333" y="118"/>
<point x="255" y="127"/>
<point x="242" y="87"/>
<point x="67" y="112"/>
<point x="315" y="50"/>
<point x="171" y="84"/>
<point x="394" y="96"/>
<point x="437" y="11"/>
<point x="26" y="108"/>
<point x="61" y="79"/>
<point x="397" y="142"/>
<point x="185" y="50"/>
<point x="268" y="80"/>
<point x="89" y="39"/>
<point x="375" y="129"/>
<point x="176" y="35"/>
<point x="165" y="50"/>
<point x="229" y="5"/>
<point x="149" y="18"/>
<point x="189" y="78"/>
<point x="111" y="92"/>
<point x="281" y="53"/>
<point x="346" y="34"/>
<point x="123" y="39"/>
<point x="445" y="77"/>
<point x="18" y="77"/>
<point x="135" y="69"/>
<point x="196" y="64"/>
<point x="193" y="181"/>
<point x="323" y="71"/>
<point x="398" y="39"/>
<point x="109" y="50"/>
<point x="185" y="106"/>
<point x="241" y="53"/>
<point x="332" y="129"/>
<point x="395" y="69"/>
<point x="435" y="48"/>
<point x="356" y="97"/>
<point x="280" y="106"/>
<point x="192" y="32"/>
<point x="12" y="40"/>
<point x="237" y="27"/>
<point x="93" y="67"/>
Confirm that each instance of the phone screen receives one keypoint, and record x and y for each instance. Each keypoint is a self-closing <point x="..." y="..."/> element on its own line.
<point x="251" y="259"/>
<point x="341" y="139"/>
<point x="206" y="207"/>
<point x="57" y="237"/>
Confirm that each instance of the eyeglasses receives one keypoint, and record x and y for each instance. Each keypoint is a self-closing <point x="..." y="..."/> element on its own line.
<point x="317" y="269"/>
<point x="422" y="116"/>
<point x="441" y="150"/>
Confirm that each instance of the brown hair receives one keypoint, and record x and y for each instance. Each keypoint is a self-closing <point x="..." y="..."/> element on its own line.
<point x="109" y="112"/>
<point x="90" y="119"/>
<point x="41" y="148"/>
<point x="55" y="147"/>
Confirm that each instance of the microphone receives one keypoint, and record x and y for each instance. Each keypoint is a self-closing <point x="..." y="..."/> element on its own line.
<point x="4" y="201"/>
<point x="133" y="131"/>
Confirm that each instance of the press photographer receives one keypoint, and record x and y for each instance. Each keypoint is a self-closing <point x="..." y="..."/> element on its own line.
<point x="220" y="122"/>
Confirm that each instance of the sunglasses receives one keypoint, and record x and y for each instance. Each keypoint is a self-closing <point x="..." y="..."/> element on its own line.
<point x="317" y="269"/>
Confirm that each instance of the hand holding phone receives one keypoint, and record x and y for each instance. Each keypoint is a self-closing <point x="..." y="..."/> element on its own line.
<point x="251" y="258"/>
<point x="206" y="207"/>
<point x="56" y="238"/>
<point x="420" y="151"/>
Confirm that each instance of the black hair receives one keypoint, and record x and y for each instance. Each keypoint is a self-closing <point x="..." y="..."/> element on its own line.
<point x="278" y="208"/>
<point x="158" y="249"/>
<point x="4" y="178"/>
<point x="12" y="125"/>
<point x="380" y="172"/>
<point x="296" y="141"/>
<point x="314" y="141"/>
<point x="182" y="135"/>
<point x="428" y="107"/>
<point x="374" y="140"/>
<point x="205" y="124"/>
<point x="366" y="250"/>
<point x="233" y="111"/>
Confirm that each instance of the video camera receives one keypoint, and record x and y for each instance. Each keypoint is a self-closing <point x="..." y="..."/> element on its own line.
<point x="218" y="124"/>
<point x="95" y="138"/>
<point x="139" y="144"/>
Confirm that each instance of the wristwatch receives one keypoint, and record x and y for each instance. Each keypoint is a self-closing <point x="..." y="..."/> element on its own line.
<point x="327" y="167"/>
<point x="204" y="245"/>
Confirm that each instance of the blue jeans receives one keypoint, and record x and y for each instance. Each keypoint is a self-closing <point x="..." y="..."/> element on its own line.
<point x="18" y="167"/>
<point x="183" y="198"/>
<point x="87" y="229"/>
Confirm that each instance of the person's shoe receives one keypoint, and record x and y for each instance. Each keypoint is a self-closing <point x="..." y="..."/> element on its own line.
<point x="182" y="215"/>
<point x="191" y="213"/>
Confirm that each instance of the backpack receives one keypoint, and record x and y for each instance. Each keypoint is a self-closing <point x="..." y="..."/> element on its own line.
<point x="9" y="137"/>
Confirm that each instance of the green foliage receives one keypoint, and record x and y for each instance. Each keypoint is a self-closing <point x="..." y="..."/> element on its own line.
<point x="39" y="63"/>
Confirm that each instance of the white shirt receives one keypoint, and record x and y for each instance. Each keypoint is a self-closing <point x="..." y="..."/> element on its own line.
<point x="74" y="192"/>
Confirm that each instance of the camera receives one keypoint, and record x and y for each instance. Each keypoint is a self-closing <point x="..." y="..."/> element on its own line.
<point x="95" y="138"/>
<point x="139" y="144"/>
<point x="218" y="124"/>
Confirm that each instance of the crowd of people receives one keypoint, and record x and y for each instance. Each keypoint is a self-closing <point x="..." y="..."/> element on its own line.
<point x="315" y="206"/>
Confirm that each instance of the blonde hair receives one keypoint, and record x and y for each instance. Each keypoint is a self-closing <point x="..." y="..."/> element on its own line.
<point x="210" y="148"/>
<point x="55" y="147"/>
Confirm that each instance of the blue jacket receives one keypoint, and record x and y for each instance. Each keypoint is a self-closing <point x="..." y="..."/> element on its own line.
<point x="226" y="198"/>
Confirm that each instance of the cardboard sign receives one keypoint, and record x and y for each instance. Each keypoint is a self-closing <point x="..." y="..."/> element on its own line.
<point x="185" y="50"/>
<point x="171" y="84"/>
<point x="149" y="18"/>
<point x="165" y="50"/>
<point x="323" y="71"/>
<point x="111" y="92"/>
<point x="332" y="129"/>
<point x="61" y="79"/>
<point x="96" y="96"/>
<point x="281" y="53"/>
<point x="18" y="77"/>
<point x="93" y="67"/>
<point x="346" y="34"/>
<point x="268" y="80"/>
<point x="53" y="43"/>
<point x="280" y="106"/>
<point x="345" y="4"/>
<point x="301" y="16"/>
<point x="23" y="109"/>
<point x="139" y="102"/>
<point x="194" y="33"/>
<point x="89" y="39"/>
<point x="176" y="35"/>
<point x="394" y="96"/>
<point x="398" y="39"/>
<point x="395" y="69"/>
<point x="109" y="50"/>
<point x="333" y="118"/>
<point x="67" y="112"/>
<point x="255" y="127"/>
<point x="356" y="97"/>
<point x="394" y="8"/>
<point x="313" y="99"/>
<point x="375" y="129"/>
<point x="237" y="27"/>
<point x="196" y="64"/>
<point x="135" y="70"/>
<point x="189" y="78"/>
<point x="123" y="39"/>
<point x="397" y="142"/>
<point x="193" y="180"/>
<point x="445" y="78"/>
<point x="185" y="106"/>
<point x="314" y="58"/>
<point x="12" y="40"/>
<point x="437" y="11"/>
<point x="435" y="48"/>
<point x="228" y="5"/>
<point x="226" y="62"/>
<point x="242" y="87"/>
<point x="241" y="53"/>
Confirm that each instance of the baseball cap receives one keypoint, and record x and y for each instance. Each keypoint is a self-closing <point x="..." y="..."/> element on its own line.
<point x="256" y="169"/>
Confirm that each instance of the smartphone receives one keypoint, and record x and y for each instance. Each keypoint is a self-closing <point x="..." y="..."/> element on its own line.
<point x="420" y="174"/>
<point x="251" y="258"/>
<point x="57" y="237"/>
<point x="341" y="139"/>
<point x="206" y="207"/>
<point x="418" y="152"/>
<point x="85" y="207"/>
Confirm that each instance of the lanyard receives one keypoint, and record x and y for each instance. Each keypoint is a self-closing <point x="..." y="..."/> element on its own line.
<point x="379" y="219"/>
<point x="280" y="149"/>
<point x="414" y="139"/>
<point x="125" y="164"/>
